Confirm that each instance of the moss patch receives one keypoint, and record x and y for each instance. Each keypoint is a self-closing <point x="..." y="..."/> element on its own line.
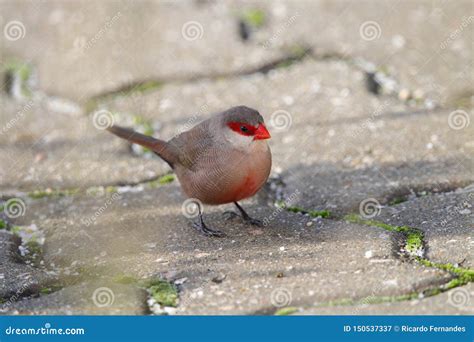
<point x="50" y="289"/>
<point x="145" y="86"/>
<point x="163" y="292"/>
<point x="37" y="194"/>
<point x="312" y="213"/>
<point x="254" y="17"/>
<point x="17" y="71"/>
<point x="3" y="224"/>
<point x="125" y="279"/>
<point x="463" y="275"/>
<point x="286" y="311"/>
<point x="165" y="179"/>
<point x="397" y="200"/>
<point x="414" y="245"/>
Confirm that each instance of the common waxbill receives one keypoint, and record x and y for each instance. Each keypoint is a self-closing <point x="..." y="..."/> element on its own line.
<point x="221" y="160"/>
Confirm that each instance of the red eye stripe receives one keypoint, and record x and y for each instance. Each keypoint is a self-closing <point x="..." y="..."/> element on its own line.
<point x="242" y="128"/>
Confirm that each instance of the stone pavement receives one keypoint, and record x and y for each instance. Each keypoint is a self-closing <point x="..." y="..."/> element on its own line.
<point x="369" y="205"/>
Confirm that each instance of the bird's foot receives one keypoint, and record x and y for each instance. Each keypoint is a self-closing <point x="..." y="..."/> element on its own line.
<point x="202" y="228"/>
<point x="229" y="215"/>
<point x="253" y="222"/>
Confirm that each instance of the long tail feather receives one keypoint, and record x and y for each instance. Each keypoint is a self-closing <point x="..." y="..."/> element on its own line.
<point x="160" y="147"/>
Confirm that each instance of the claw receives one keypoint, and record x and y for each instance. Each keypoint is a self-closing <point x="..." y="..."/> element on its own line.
<point x="202" y="228"/>
<point x="229" y="215"/>
<point x="254" y="222"/>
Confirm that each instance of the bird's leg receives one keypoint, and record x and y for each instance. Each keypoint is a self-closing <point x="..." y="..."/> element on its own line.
<point x="201" y="227"/>
<point x="244" y="216"/>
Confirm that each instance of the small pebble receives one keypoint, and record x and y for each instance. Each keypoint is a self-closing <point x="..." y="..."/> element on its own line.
<point x="219" y="278"/>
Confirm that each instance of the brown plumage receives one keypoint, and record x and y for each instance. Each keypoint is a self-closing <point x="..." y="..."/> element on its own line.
<point x="223" y="159"/>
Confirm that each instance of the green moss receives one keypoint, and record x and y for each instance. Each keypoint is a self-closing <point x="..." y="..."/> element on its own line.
<point x="37" y="194"/>
<point x="414" y="242"/>
<point x="320" y="213"/>
<point x="397" y="200"/>
<point x="298" y="51"/>
<point x="111" y="189"/>
<point x="414" y="245"/>
<point x="312" y="213"/>
<point x="254" y="17"/>
<point x="3" y="224"/>
<point x="166" y="179"/>
<point x="354" y="218"/>
<point x="163" y="292"/>
<point x="145" y="86"/>
<point x="15" y="230"/>
<point x="464" y="275"/>
<point x="286" y="311"/>
<point x="50" y="289"/>
<point x="413" y="236"/>
<point x="125" y="279"/>
<point x="33" y="247"/>
<point x="21" y="70"/>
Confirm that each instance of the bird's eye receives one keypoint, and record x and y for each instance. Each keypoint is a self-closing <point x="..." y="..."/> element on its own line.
<point x="244" y="129"/>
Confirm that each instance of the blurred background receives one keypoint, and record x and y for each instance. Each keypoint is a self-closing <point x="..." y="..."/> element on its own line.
<point x="369" y="104"/>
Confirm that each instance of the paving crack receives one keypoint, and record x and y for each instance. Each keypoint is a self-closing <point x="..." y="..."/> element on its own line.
<point x="120" y="187"/>
<point x="412" y="248"/>
<point x="297" y="54"/>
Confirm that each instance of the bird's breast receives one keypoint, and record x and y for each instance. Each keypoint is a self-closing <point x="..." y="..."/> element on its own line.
<point x="231" y="177"/>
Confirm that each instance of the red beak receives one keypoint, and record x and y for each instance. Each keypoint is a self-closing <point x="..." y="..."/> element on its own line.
<point x="261" y="133"/>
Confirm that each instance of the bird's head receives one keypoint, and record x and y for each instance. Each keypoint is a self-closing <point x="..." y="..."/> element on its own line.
<point x="243" y="125"/>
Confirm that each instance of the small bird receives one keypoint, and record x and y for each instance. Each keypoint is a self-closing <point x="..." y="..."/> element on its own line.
<point x="221" y="160"/>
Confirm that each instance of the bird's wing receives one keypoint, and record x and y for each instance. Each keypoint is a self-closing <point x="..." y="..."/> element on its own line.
<point x="193" y="146"/>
